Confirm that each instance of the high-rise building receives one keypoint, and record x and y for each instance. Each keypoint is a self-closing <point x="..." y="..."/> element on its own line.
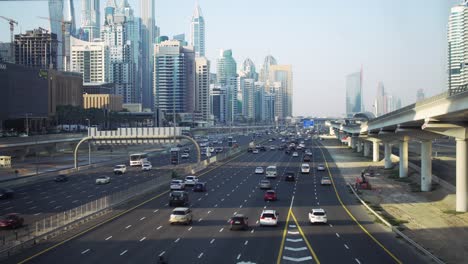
<point x="248" y="99"/>
<point x="70" y="30"/>
<point x="268" y="108"/>
<point x="90" y="59"/>
<point x="56" y="16"/>
<point x="354" y="94"/>
<point x="197" y="32"/>
<point x="259" y="100"/>
<point x="457" y="48"/>
<point x="265" y="71"/>
<point x="380" y="103"/>
<point x="148" y="38"/>
<point x="90" y="19"/>
<point x="247" y="70"/>
<point x="276" y="88"/>
<point x="227" y="78"/>
<point x="174" y="78"/>
<point x="202" y="87"/>
<point x="283" y="74"/>
<point x="420" y="95"/>
<point x="36" y="48"/>
<point x="218" y="100"/>
<point x="181" y="39"/>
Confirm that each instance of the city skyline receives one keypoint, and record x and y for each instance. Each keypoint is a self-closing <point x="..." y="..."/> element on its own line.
<point x="309" y="75"/>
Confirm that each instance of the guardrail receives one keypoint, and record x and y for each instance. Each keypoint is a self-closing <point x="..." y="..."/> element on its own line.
<point x="395" y="229"/>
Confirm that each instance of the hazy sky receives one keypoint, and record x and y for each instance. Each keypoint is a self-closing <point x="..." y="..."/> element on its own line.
<point x="402" y="43"/>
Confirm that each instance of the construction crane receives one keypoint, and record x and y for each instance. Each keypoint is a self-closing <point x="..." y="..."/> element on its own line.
<point x="43" y="29"/>
<point x="12" y="27"/>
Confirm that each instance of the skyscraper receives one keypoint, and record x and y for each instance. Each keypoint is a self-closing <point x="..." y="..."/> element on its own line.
<point x="247" y="70"/>
<point x="283" y="74"/>
<point x="248" y="99"/>
<point x="197" y="32"/>
<point x="90" y="59"/>
<point x="457" y="48"/>
<point x="174" y="78"/>
<point x="380" y="103"/>
<point x="91" y="19"/>
<point x="354" y="93"/>
<point x="227" y="79"/>
<point x="420" y="95"/>
<point x="264" y="73"/>
<point x="70" y="30"/>
<point x="202" y="87"/>
<point x="56" y="15"/>
<point x="148" y="38"/>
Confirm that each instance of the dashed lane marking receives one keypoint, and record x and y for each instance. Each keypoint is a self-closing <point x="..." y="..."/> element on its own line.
<point x="159" y="227"/>
<point x="108" y="238"/>
<point x="142" y="239"/>
<point x="127" y="227"/>
<point x="84" y="252"/>
<point x="346" y="246"/>
<point x="123" y="252"/>
<point x="212" y="240"/>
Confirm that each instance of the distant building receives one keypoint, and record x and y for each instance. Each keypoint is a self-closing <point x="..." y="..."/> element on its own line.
<point x="354" y="103"/>
<point x="181" y="39"/>
<point x="227" y="78"/>
<point x="133" y="108"/>
<point x="457" y="48"/>
<point x="248" y="70"/>
<point x="36" y="48"/>
<point x="91" y="59"/>
<point x="283" y="74"/>
<point x="265" y="71"/>
<point x="381" y="104"/>
<point x="218" y="100"/>
<point x="149" y="34"/>
<point x="98" y="88"/>
<point x="259" y="100"/>
<point x="420" y="95"/>
<point x="197" y="32"/>
<point x="202" y="87"/>
<point x="110" y="102"/>
<point x="90" y="19"/>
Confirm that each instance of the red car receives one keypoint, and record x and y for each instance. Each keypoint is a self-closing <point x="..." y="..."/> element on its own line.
<point x="270" y="195"/>
<point x="11" y="221"/>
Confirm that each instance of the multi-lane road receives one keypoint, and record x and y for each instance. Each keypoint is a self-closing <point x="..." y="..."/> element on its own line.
<point x="144" y="234"/>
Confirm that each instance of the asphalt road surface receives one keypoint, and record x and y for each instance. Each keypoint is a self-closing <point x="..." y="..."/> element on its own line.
<point x="144" y="234"/>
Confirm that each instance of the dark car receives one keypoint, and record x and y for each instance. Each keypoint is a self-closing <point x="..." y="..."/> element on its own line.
<point x="249" y="150"/>
<point x="262" y="148"/>
<point x="239" y="222"/>
<point x="199" y="187"/>
<point x="178" y="198"/>
<point x="61" y="178"/>
<point x="11" y="221"/>
<point x="289" y="176"/>
<point x="6" y="193"/>
<point x="306" y="158"/>
<point x="270" y="195"/>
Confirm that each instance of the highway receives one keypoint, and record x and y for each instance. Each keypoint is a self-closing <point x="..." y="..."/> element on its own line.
<point x="143" y="234"/>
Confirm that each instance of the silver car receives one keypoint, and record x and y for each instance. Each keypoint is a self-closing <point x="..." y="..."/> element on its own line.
<point x="181" y="215"/>
<point x="264" y="184"/>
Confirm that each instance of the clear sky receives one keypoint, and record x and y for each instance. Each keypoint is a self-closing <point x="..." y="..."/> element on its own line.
<point x="402" y="43"/>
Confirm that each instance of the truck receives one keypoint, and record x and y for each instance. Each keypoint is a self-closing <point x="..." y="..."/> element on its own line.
<point x="251" y="146"/>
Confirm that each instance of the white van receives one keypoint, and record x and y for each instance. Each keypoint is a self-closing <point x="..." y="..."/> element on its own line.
<point x="271" y="172"/>
<point x="305" y="168"/>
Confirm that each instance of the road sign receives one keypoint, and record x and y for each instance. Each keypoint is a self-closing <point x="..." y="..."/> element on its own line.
<point x="308" y="123"/>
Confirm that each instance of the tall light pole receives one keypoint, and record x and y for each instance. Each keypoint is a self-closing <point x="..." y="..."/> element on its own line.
<point x="89" y="145"/>
<point x="27" y="123"/>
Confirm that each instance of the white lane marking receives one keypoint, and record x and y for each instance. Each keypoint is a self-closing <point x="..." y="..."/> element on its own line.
<point x="357" y="260"/>
<point x="216" y="205"/>
<point x="238" y="256"/>
<point x="235" y="213"/>
<point x="201" y="255"/>
<point x="264" y="207"/>
<point x="240" y="206"/>
<point x="159" y="227"/>
<point x="293" y="232"/>
<point x="84" y="252"/>
<point x="190" y="228"/>
<point x="209" y="212"/>
<point x="155" y="211"/>
<point x="162" y="253"/>
<point x="108" y="238"/>
<point x="75" y="201"/>
<point x="68" y="196"/>
<point x="142" y="239"/>
<point x="177" y="240"/>
<point x="256" y="222"/>
<point x="297" y="259"/>
<point x="199" y="199"/>
<point x="166" y="204"/>
<point x="34" y="207"/>
<point x="222" y="200"/>
<point x="206" y="194"/>
<point x="199" y="220"/>
<point x="330" y="225"/>
<point x="212" y="240"/>
<point x="36" y="214"/>
<point x="246" y="242"/>
<point x="127" y="227"/>
<point x="346" y="246"/>
<point x="123" y="252"/>
<point x="293" y="240"/>
<point x="293" y="226"/>
<point x="11" y="207"/>
<point x="57" y="207"/>
<point x="143" y="218"/>
<point x="338" y="235"/>
<point x="252" y="231"/>
<point x="221" y="230"/>
<point x="295" y="249"/>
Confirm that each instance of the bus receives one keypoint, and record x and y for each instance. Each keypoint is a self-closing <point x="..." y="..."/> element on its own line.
<point x="138" y="159"/>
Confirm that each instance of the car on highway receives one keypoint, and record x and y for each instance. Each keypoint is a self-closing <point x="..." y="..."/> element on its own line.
<point x="325" y="180"/>
<point x="259" y="170"/>
<point x="6" y="193"/>
<point x="178" y="198"/>
<point x="320" y="167"/>
<point x="177" y="185"/>
<point x="295" y="154"/>
<point x="185" y="155"/>
<point x="239" y="222"/>
<point x="268" y="218"/>
<point x="146" y="166"/>
<point x="255" y="151"/>
<point x="191" y="180"/>
<point x="11" y="221"/>
<point x="218" y="149"/>
<point x="61" y="178"/>
<point x="186" y="150"/>
<point x="289" y="176"/>
<point x="199" y="187"/>
<point x="271" y="171"/>
<point x="120" y="169"/>
<point x="308" y="152"/>
<point x="317" y="215"/>
<point x="272" y="147"/>
<point x="270" y="195"/>
<point x="103" y="180"/>
<point x="306" y="158"/>
<point x="305" y="168"/>
<point x="181" y="215"/>
<point x="264" y="184"/>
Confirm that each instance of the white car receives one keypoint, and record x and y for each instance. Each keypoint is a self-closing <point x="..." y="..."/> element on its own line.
<point x="269" y="218"/>
<point x="120" y="169"/>
<point x="317" y="216"/>
<point x="295" y="154"/>
<point x="255" y="151"/>
<point x="272" y="147"/>
<point x="320" y="167"/>
<point x="146" y="166"/>
<point x="177" y="185"/>
<point x="103" y="180"/>
<point x="259" y="170"/>
<point x="305" y="168"/>
<point x="191" y="180"/>
<point x="185" y="155"/>
<point x="325" y="181"/>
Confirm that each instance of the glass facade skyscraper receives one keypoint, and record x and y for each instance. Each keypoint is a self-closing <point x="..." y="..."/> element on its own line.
<point x="91" y="19"/>
<point x="457" y="48"/>
<point x="227" y="78"/>
<point x="354" y="94"/>
<point x="197" y="33"/>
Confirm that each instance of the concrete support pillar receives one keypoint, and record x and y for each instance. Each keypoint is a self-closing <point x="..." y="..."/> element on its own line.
<point x="375" y="151"/>
<point x="350" y="143"/>
<point x="388" y="155"/>
<point x="367" y="148"/>
<point x="404" y="158"/>
<point x="426" y="165"/>
<point x="359" y="146"/>
<point x="353" y="142"/>
<point x="462" y="176"/>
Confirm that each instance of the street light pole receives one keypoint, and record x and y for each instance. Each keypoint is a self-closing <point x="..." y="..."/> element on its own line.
<point x="89" y="145"/>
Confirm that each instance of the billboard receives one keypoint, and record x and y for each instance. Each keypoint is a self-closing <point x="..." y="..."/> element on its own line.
<point x="307" y="123"/>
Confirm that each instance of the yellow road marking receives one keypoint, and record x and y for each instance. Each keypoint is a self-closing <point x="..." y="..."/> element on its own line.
<point x="352" y="216"/>
<point x="305" y="239"/>
<point x="116" y="216"/>
<point x="280" y="252"/>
